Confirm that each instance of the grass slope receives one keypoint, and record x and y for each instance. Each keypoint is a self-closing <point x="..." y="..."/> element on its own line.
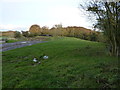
<point x="72" y="63"/>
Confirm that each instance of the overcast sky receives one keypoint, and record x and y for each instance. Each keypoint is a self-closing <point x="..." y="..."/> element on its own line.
<point x="21" y="14"/>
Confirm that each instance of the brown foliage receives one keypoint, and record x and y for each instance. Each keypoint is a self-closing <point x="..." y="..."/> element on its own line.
<point x="8" y="33"/>
<point x="35" y="29"/>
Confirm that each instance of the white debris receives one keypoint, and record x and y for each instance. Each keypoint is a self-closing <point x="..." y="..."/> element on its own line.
<point x="39" y="62"/>
<point x="34" y="60"/>
<point x="45" y="57"/>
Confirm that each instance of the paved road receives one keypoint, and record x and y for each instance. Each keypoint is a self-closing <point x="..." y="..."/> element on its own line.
<point x="10" y="46"/>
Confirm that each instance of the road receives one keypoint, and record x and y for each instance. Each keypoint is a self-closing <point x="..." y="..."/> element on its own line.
<point x="10" y="46"/>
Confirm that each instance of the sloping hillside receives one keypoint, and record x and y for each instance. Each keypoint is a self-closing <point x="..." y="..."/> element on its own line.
<point x="72" y="63"/>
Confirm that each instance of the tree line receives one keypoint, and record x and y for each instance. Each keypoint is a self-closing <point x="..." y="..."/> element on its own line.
<point x="58" y="30"/>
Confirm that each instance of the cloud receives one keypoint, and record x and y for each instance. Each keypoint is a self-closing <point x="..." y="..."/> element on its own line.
<point x="28" y="0"/>
<point x="16" y="0"/>
<point x="68" y="16"/>
<point x="41" y="12"/>
<point x="13" y="27"/>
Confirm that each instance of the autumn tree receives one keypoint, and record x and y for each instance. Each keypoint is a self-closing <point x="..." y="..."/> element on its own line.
<point x="35" y="29"/>
<point x="45" y="30"/>
<point x="56" y="30"/>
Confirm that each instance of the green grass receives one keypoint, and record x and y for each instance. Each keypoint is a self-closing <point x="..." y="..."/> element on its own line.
<point x="72" y="63"/>
<point x="8" y="39"/>
<point x="11" y="41"/>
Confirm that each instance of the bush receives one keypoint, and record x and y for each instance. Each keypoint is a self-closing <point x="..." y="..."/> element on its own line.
<point x="101" y="38"/>
<point x="17" y="34"/>
<point x="4" y="39"/>
<point x="25" y="33"/>
<point x="93" y="37"/>
<point x="31" y="35"/>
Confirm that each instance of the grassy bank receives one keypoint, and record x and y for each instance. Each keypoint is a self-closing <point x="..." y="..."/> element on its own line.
<point x="72" y="63"/>
<point x="11" y="41"/>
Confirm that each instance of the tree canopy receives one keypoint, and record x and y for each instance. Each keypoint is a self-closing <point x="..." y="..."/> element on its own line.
<point x="35" y="29"/>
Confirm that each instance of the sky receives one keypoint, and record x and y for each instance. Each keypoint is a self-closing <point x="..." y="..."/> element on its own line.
<point x="21" y="14"/>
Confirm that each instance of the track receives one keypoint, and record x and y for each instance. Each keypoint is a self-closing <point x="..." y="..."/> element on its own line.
<point x="10" y="46"/>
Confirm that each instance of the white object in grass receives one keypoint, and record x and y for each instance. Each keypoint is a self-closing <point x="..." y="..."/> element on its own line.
<point x="34" y="60"/>
<point x="39" y="62"/>
<point x="45" y="57"/>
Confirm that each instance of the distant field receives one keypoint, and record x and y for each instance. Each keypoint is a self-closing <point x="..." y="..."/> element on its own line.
<point x="37" y="38"/>
<point x="8" y="39"/>
<point x="72" y="63"/>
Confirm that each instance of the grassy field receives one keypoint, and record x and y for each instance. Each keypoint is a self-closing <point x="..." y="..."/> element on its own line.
<point x="8" y="39"/>
<point x="11" y="41"/>
<point x="37" y="38"/>
<point x="72" y="63"/>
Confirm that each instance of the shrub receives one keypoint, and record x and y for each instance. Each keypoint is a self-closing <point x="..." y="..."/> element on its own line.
<point x="17" y="34"/>
<point x="25" y="33"/>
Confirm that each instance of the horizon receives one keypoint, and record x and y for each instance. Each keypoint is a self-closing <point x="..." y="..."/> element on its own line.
<point x="6" y="30"/>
